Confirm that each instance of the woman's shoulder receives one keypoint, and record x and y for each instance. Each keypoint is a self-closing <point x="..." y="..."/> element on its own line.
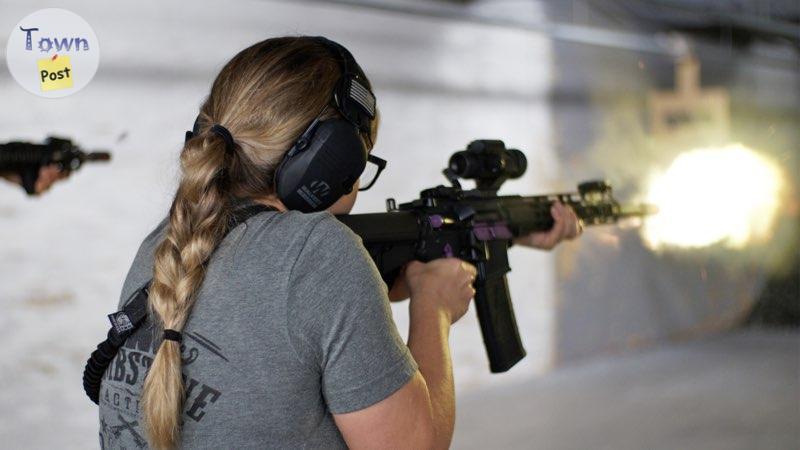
<point x="315" y="230"/>
<point x="292" y="228"/>
<point x="332" y="237"/>
<point x="333" y="252"/>
<point x="296" y="240"/>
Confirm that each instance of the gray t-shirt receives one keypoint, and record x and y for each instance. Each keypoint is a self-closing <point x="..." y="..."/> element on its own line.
<point x="292" y="323"/>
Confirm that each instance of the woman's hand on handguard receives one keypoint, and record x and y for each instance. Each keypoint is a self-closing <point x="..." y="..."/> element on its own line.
<point x="566" y="226"/>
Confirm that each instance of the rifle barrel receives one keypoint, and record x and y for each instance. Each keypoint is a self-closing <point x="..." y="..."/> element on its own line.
<point x="640" y="210"/>
<point x="97" y="156"/>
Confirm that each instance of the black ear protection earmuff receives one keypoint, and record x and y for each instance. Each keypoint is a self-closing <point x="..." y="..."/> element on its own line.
<point x="329" y="156"/>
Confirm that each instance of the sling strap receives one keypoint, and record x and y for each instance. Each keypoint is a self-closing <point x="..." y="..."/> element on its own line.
<point x="126" y="321"/>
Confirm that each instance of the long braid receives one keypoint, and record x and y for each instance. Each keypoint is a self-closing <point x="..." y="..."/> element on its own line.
<point x="197" y="222"/>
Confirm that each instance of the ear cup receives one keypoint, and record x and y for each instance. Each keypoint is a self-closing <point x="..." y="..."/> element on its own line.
<point x="314" y="177"/>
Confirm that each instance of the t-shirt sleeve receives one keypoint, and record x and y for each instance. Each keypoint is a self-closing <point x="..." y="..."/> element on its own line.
<point x="340" y="323"/>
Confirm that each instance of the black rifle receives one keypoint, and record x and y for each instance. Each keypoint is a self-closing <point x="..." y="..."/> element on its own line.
<point x="479" y="226"/>
<point x="25" y="158"/>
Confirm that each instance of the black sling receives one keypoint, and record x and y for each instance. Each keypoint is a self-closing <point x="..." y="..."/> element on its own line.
<point x="125" y="322"/>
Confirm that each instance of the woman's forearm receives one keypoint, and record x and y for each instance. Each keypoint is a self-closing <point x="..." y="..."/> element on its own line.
<point x="428" y="340"/>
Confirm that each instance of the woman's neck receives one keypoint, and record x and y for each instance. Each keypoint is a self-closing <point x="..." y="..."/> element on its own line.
<point x="271" y="200"/>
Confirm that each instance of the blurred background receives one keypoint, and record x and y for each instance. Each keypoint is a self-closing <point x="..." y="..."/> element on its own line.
<point x="679" y="332"/>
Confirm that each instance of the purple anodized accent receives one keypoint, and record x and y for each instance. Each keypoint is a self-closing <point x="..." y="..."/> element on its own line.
<point x="487" y="232"/>
<point x="436" y="220"/>
<point x="448" y="251"/>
